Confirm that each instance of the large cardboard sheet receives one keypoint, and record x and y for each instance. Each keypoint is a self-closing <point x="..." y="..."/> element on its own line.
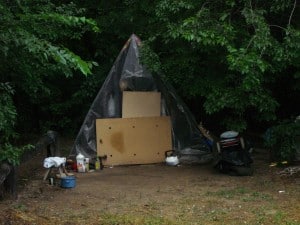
<point x="141" y="140"/>
<point x="141" y="104"/>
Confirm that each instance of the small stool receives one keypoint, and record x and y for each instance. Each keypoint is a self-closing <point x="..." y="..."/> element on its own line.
<point x="61" y="169"/>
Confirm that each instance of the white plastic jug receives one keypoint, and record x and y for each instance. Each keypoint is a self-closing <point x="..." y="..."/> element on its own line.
<point x="80" y="163"/>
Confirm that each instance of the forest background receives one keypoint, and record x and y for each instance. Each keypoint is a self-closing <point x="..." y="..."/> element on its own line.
<point x="235" y="63"/>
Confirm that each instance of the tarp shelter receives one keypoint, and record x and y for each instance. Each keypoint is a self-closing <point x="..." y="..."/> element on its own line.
<point x="129" y="75"/>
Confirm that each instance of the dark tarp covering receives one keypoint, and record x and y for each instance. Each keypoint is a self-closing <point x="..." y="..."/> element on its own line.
<point x="128" y="74"/>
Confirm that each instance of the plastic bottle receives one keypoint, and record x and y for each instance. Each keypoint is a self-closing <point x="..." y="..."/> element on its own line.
<point x="86" y="164"/>
<point x="80" y="163"/>
<point x="97" y="164"/>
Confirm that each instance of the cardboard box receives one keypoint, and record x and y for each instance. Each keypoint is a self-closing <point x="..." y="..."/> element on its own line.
<point x="141" y="104"/>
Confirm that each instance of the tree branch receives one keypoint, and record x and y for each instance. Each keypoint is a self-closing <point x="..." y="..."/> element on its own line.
<point x="251" y="40"/>
<point x="274" y="25"/>
<point x="292" y="12"/>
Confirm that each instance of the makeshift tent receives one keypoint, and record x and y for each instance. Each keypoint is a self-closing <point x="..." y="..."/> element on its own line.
<point x="128" y="74"/>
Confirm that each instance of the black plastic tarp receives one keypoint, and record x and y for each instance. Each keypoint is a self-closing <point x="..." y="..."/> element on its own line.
<point x="128" y="74"/>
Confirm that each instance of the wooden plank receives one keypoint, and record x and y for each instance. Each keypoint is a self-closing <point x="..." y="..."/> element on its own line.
<point x="141" y="140"/>
<point x="141" y="104"/>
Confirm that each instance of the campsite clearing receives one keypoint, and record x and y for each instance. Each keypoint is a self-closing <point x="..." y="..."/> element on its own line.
<point x="158" y="194"/>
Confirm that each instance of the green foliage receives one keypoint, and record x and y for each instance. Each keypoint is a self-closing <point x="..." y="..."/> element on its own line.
<point x="68" y="58"/>
<point x="36" y="46"/>
<point x="27" y="29"/>
<point x="228" y="52"/>
<point x="148" y="57"/>
<point x="37" y="53"/>
<point x="8" y="116"/>
<point x="231" y="54"/>
<point x="8" y="113"/>
<point x="282" y="140"/>
<point x="13" y="154"/>
<point x="64" y="19"/>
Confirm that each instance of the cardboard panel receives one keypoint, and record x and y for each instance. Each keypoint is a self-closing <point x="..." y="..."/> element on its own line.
<point x="140" y="104"/>
<point x="141" y="140"/>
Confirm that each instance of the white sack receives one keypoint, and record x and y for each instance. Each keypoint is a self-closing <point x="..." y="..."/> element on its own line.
<point x="54" y="161"/>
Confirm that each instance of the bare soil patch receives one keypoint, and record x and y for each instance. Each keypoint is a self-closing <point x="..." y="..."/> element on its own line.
<point x="157" y="194"/>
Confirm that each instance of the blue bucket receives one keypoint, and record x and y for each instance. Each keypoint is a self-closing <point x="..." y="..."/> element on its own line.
<point x="68" y="182"/>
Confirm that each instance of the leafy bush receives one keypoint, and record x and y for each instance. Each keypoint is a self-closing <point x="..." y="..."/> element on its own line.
<point x="8" y="115"/>
<point x="282" y="140"/>
<point x="13" y="154"/>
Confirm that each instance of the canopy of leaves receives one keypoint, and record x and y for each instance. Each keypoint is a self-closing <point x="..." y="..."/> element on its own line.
<point x="234" y="59"/>
<point x="231" y="53"/>
<point x="35" y="49"/>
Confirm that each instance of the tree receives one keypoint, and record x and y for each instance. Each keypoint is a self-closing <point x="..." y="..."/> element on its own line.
<point x="231" y="53"/>
<point x="34" y="48"/>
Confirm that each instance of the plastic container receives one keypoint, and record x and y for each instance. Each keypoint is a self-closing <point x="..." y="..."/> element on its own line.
<point x="86" y="164"/>
<point x="97" y="164"/>
<point x="68" y="182"/>
<point x="80" y="163"/>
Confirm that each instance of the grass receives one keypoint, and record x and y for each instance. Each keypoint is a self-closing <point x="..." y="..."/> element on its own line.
<point x="228" y="206"/>
<point x="128" y="219"/>
<point x="20" y="207"/>
<point x="202" y="199"/>
<point x="265" y="215"/>
<point x="241" y="193"/>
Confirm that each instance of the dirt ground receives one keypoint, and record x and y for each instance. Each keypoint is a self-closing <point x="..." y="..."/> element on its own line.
<point x="157" y="194"/>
